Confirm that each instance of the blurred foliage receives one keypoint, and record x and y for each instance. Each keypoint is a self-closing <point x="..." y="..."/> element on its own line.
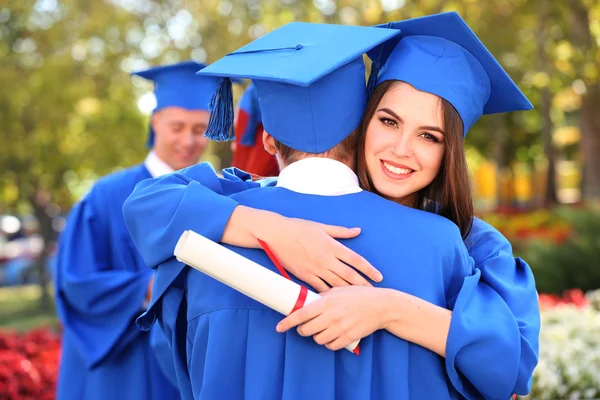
<point x="541" y="224"/>
<point x="69" y="108"/>
<point x="562" y="245"/>
<point x="20" y="308"/>
<point x="575" y="263"/>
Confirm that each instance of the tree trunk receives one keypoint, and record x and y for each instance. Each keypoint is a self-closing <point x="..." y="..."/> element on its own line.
<point x="499" y="154"/>
<point x="590" y="105"/>
<point x="590" y="143"/>
<point x="39" y="204"/>
<point x="550" y="197"/>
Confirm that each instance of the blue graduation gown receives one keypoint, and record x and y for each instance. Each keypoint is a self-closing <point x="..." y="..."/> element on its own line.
<point x="235" y="351"/>
<point x="503" y="285"/>
<point x="101" y="282"/>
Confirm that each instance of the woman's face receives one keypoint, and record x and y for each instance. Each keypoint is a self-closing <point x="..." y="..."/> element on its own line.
<point x="405" y="143"/>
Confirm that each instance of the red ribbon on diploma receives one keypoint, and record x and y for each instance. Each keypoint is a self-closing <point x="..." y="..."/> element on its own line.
<point x="303" y="290"/>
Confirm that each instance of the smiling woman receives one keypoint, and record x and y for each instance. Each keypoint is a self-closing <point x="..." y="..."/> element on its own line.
<point x="410" y="150"/>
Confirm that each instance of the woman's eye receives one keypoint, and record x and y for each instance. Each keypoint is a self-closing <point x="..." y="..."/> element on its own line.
<point x="388" y="121"/>
<point x="428" y="136"/>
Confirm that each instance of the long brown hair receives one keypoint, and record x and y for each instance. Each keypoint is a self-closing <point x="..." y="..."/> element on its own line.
<point x="449" y="194"/>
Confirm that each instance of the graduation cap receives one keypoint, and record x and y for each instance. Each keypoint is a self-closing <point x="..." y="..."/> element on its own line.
<point x="441" y="55"/>
<point x="177" y="85"/>
<point x="309" y="79"/>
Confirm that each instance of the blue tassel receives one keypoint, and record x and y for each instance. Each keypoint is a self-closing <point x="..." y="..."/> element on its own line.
<point x="220" y="124"/>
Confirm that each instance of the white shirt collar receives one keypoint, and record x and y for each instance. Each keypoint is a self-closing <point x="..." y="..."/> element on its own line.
<point x="156" y="166"/>
<point x="319" y="176"/>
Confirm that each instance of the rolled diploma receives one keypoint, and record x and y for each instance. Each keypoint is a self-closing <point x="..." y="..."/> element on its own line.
<point x="242" y="274"/>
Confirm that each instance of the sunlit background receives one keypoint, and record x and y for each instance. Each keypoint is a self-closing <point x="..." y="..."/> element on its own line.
<point x="70" y="113"/>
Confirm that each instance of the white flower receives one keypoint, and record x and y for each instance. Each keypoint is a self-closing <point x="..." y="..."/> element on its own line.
<point x="569" y="365"/>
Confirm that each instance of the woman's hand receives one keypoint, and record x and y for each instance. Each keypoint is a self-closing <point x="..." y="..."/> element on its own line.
<point x="309" y="251"/>
<point x="306" y="249"/>
<point x="341" y="316"/>
<point x="346" y="314"/>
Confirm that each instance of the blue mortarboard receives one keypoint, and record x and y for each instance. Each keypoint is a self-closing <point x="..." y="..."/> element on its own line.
<point x="440" y="54"/>
<point x="177" y="85"/>
<point x="310" y="82"/>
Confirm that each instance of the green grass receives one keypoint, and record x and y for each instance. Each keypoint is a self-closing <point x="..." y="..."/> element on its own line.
<point x="20" y="308"/>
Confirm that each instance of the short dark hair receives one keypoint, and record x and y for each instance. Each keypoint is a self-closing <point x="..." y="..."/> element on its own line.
<point x="343" y="152"/>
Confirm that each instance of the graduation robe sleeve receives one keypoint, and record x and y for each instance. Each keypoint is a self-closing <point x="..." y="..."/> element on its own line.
<point x="96" y="300"/>
<point x="177" y="202"/>
<point x="171" y="312"/>
<point x="159" y="210"/>
<point x="492" y="346"/>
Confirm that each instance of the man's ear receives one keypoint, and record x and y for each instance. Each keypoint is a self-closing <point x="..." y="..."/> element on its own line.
<point x="154" y="119"/>
<point x="269" y="143"/>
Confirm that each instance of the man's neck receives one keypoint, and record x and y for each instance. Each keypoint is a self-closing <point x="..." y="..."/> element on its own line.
<point x="156" y="166"/>
<point x="319" y="176"/>
<point x="347" y="163"/>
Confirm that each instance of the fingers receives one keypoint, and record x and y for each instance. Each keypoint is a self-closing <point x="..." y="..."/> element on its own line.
<point x="357" y="262"/>
<point x="327" y="336"/>
<point x="332" y="336"/>
<point x="314" y="326"/>
<point x="317" y="283"/>
<point x="333" y="279"/>
<point x="340" y="232"/>
<point x="350" y="257"/>
<point x="348" y="274"/>
<point x="338" y="342"/>
<point x="304" y="314"/>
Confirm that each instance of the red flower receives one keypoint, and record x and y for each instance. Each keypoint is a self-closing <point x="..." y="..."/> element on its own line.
<point x="576" y="297"/>
<point x="573" y="297"/>
<point x="29" y="364"/>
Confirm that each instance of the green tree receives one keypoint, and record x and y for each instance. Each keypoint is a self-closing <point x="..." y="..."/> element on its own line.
<point x="67" y="108"/>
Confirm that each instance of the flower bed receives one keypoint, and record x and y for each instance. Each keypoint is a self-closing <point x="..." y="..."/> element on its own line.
<point x="569" y="365"/>
<point x="29" y="364"/>
<point x="536" y="225"/>
<point x="572" y="297"/>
